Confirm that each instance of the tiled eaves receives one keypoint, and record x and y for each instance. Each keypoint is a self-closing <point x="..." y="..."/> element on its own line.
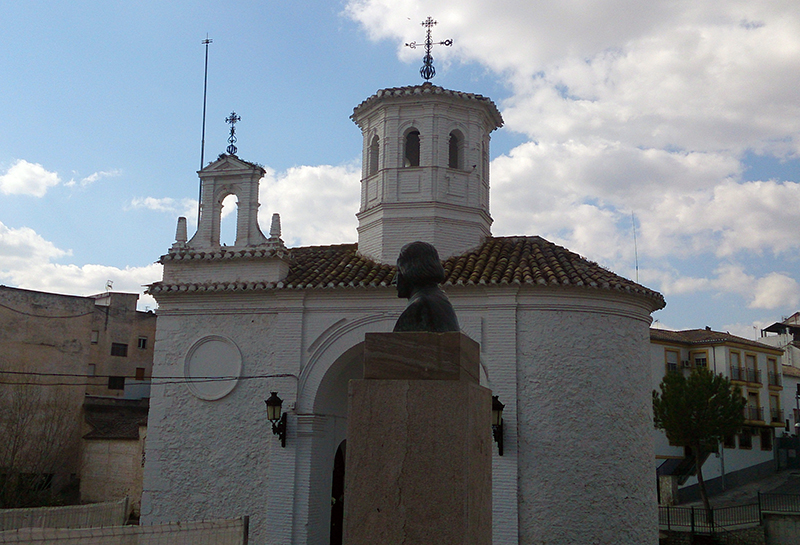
<point x="187" y="254"/>
<point x="498" y="261"/>
<point x="428" y="88"/>
<point x="697" y="337"/>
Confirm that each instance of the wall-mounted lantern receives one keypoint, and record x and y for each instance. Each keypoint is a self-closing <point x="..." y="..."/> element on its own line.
<point x="497" y="423"/>
<point x="278" y="418"/>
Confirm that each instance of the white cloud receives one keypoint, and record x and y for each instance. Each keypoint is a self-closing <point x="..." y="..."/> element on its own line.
<point x="92" y="178"/>
<point x="685" y="203"/>
<point x="775" y="290"/>
<point x="686" y="75"/>
<point x="24" y="244"/>
<point x="176" y="207"/>
<point x="27" y="261"/>
<point x="24" y="178"/>
<point x="632" y="107"/>
<point x="317" y="204"/>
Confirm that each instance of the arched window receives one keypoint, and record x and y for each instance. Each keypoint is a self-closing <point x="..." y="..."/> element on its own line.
<point x="456" y="153"/>
<point x="372" y="160"/>
<point x="411" y="157"/>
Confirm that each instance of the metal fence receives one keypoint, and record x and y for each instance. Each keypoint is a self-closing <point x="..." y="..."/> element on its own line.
<point x="214" y="532"/>
<point x="779" y="503"/>
<point x="698" y="520"/>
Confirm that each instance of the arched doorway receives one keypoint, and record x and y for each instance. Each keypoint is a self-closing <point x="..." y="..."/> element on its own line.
<point x="326" y="477"/>
<point x="337" y="495"/>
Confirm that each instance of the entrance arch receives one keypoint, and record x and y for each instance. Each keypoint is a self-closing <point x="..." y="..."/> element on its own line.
<point x="335" y="357"/>
<point x="337" y="495"/>
<point x="326" y="433"/>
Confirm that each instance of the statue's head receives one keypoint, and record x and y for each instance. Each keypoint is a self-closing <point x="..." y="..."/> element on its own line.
<point x="418" y="266"/>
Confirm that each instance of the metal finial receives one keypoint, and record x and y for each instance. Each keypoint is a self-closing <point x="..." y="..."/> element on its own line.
<point x="428" y="71"/>
<point x="232" y="119"/>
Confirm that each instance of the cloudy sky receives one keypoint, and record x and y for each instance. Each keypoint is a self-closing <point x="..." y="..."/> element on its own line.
<point x="676" y="121"/>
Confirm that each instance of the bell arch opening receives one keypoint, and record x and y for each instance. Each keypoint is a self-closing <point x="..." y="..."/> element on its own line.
<point x="455" y="153"/>
<point x="228" y="220"/>
<point x="373" y="156"/>
<point x="411" y="148"/>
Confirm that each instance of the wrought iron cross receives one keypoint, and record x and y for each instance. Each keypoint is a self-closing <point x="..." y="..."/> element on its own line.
<point x="232" y="119"/>
<point x="428" y="71"/>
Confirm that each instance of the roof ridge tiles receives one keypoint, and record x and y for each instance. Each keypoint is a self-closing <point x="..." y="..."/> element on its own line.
<point x="523" y="260"/>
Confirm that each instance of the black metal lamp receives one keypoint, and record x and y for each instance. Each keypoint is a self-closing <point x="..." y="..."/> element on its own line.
<point x="497" y="423"/>
<point x="278" y="419"/>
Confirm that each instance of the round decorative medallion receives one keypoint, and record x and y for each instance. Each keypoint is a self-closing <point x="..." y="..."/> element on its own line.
<point x="213" y="367"/>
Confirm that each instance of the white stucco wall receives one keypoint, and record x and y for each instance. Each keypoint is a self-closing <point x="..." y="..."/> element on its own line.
<point x="568" y="364"/>
<point x="585" y="451"/>
<point x="209" y="459"/>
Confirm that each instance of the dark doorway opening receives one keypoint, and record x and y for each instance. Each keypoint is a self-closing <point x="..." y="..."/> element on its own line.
<point x="337" y="495"/>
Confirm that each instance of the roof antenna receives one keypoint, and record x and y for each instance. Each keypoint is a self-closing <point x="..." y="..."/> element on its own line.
<point x="427" y="71"/>
<point x="635" y="249"/>
<point x="203" y="137"/>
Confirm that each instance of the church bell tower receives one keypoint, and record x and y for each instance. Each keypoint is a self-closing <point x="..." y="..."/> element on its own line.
<point x="425" y="173"/>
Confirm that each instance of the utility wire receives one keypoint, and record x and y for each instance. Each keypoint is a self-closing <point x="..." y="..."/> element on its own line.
<point x="12" y="309"/>
<point x="155" y="380"/>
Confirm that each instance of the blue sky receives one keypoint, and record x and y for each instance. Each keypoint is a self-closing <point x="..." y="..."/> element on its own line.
<point x="684" y="115"/>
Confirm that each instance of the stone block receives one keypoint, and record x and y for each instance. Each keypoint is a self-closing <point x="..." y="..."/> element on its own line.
<point x="421" y="356"/>
<point x="419" y="445"/>
<point x="418" y="463"/>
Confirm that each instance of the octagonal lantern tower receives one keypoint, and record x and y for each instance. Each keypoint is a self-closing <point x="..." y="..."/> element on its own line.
<point x="425" y="173"/>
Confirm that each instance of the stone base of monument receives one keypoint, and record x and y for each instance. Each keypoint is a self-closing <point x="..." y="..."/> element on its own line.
<point x="419" y="443"/>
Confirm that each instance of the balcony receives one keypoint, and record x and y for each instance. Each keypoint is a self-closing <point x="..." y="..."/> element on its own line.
<point x="754" y="413"/>
<point x="753" y="375"/>
<point x="776" y="416"/>
<point x="672" y="368"/>
<point x="736" y="373"/>
<point x="774" y="379"/>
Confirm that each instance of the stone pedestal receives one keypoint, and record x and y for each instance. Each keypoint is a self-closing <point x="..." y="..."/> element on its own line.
<point x="419" y="446"/>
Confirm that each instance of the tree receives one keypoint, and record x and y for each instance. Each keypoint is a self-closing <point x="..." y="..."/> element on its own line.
<point x="40" y="431"/>
<point x="698" y="411"/>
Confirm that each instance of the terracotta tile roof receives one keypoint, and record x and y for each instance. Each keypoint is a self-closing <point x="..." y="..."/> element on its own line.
<point x="426" y="88"/>
<point x="705" y="336"/>
<point x="188" y="254"/>
<point x="112" y="418"/>
<point x="498" y="261"/>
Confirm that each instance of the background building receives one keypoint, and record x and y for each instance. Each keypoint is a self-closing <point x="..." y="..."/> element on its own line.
<point x="54" y="350"/>
<point x="756" y="368"/>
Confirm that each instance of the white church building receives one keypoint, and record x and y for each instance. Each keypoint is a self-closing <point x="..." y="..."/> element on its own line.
<point x="564" y="344"/>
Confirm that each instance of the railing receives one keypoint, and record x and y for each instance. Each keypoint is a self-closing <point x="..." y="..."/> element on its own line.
<point x="698" y="520"/>
<point x="216" y="532"/>
<point x="753" y="375"/>
<point x="754" y="413"/>
<point x="774" y="379"/>
<point x="776" y="415"/>
<point x="736" y="373"/>
<point x="780" y="503"/>
<point x="672" y="368"/>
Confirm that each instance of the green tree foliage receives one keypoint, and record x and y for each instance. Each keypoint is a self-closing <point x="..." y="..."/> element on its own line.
<point x="698" y="411"/>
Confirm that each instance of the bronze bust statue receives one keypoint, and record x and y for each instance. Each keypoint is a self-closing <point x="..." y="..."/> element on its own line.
<point x="419" y="273"/>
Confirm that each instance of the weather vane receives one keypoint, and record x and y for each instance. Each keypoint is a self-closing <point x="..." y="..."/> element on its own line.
<point x="232" y="119"/>
<point x="427" y="71"/>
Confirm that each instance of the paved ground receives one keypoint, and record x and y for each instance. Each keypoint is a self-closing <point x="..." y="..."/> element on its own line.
<point x="784" y="482"/>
